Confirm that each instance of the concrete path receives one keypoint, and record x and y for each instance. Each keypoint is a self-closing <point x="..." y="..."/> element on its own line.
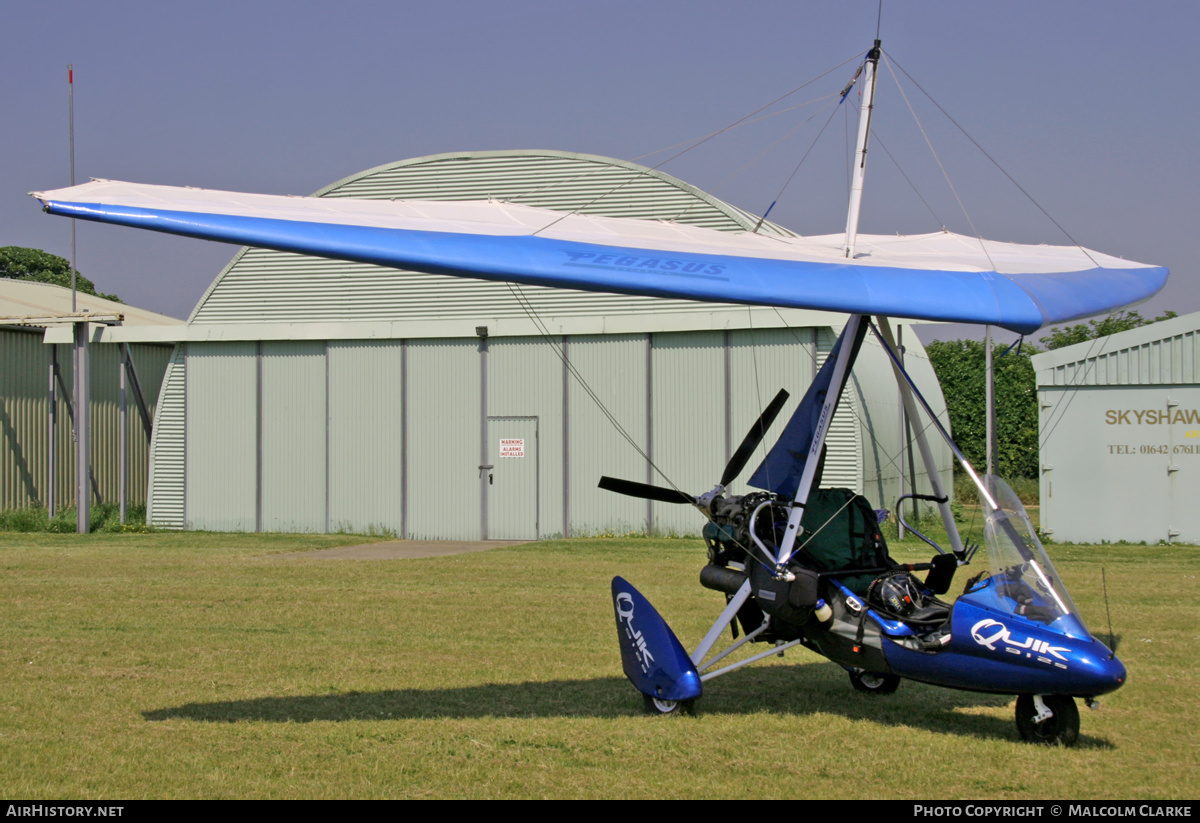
<point x="403" y="549"/>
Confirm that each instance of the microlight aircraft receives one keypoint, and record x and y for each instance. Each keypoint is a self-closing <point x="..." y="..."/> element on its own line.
<point x="798" y="565"/>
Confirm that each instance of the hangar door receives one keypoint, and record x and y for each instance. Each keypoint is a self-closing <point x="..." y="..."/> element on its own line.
<point x="513" y="478"/>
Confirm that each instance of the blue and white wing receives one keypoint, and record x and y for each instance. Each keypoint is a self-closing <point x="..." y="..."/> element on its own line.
<point x="940" y="277"/>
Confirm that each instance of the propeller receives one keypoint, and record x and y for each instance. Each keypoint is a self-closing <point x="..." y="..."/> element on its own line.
<point x="732" y="469"/>
<point x="645" y="490"/>
<point x="753" y="437"/>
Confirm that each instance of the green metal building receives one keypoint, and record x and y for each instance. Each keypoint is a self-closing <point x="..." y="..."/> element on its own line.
<point x="1120" y="436"/>
<point x="316" y="395"/>
<point x="34" y="354"/>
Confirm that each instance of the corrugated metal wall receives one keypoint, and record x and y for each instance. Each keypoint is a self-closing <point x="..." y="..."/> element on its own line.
<point x="315" y="436"/>
<point x="222" y="431"/>
<point x="165" y="504"/>
<point x="1119" y="429"/>
<point x="24" y="419"/>
<point x="615" y="367"/>
<point x="293" y="437"/>
<point x="366" y="444"/>
<point x="444" y="390"/>
<point x="1107" y="362"/>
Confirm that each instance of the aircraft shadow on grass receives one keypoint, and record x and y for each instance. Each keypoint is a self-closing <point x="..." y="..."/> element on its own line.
<point x="782" y="690"/>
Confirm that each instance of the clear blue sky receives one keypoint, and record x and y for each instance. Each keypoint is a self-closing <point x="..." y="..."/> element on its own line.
<point x="1091" y="106"/>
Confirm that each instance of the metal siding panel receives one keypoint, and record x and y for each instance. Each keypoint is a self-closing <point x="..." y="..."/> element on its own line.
<point x="763" y="361"/>
<point x="65" y="469"/>
<point x="165" y="506"/>
<point x="842" y="466"/>
<point x="614" y="367"/>
<point x="1188" y="358"/>
<point x="443" y="451"/>
<point x="24" y="377"/>
<point x="293" y="436"/>
<point x="877" y="418"/>
<point x="104" y="418"/>
<point x="525" y="379"/>
<point x="151" y="365"/>
<point x="221" y="439"/>
<point x="365" y="445"/>
<point x="24" y="422"/>
<point x="688" y="419"/>
<point x="1107" y="482"/>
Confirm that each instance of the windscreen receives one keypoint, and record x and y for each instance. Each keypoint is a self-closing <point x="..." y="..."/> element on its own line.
<point x="1024" y="580"/>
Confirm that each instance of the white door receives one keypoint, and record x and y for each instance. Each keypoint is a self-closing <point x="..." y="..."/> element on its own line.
<point x="512" y="500"/>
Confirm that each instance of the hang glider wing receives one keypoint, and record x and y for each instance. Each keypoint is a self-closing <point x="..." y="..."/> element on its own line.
<point x="941" y="277"/>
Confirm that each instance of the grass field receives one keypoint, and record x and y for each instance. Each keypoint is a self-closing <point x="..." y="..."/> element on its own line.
<point x="181" y="665"/>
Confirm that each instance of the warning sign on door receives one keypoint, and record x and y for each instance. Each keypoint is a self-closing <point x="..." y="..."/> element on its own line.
<point x="512" y="447"/>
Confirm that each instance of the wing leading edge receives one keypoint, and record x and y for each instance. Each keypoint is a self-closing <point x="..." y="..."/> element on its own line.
<point x="942" y="278"/>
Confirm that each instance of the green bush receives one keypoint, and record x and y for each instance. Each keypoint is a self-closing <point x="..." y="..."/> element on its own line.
<point x="105" y="517"/>
<point x="959" y="365"/>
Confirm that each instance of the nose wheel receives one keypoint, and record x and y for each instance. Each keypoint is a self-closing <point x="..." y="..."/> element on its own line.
<point x="655" y="706"/>
<point x="1048" y="720"/>
<point x="874" y="682"/>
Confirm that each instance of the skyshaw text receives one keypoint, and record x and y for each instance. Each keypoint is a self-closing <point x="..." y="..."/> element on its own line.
<point x="1116" y="417"/>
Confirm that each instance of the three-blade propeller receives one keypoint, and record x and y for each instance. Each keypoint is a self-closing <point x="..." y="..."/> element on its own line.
<point x="732" y="469"/>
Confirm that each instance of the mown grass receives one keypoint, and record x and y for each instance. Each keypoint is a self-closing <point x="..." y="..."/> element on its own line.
<point x="178" y="665"/>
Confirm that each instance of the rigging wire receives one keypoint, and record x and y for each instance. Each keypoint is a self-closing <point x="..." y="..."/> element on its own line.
<point x="1002" y="170"/>
<point x="945" y="174"/>
<point x="758" y="157"/>
<point x="792" y="176"/>
<point x="525" y="195"/>
<point x="916" y="191"/>
<point x="732" y="125"/>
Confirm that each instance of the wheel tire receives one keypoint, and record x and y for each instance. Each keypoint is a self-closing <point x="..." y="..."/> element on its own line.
<point x="655" y="706"/>
<point x="874" y="682"/>
<point x="1060" y="730"/>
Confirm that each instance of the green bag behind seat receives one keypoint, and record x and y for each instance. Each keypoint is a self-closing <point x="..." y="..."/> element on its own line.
<point x="841" y="531"/>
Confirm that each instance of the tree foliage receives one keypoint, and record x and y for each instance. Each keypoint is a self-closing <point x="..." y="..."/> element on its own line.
<point x="1081" y="332"/>
<point x="959" y="365"/>
<point x="20" y="263"/>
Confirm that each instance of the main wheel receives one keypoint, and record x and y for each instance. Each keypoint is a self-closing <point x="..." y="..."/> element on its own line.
<point x="1060" y="729"/>
<point x="655" y="706"/>
<point x="874" y="682"/>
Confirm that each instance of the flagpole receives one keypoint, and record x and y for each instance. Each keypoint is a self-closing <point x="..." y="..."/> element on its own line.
<point x="80" y="366"/>
<point x="71" y="122"/>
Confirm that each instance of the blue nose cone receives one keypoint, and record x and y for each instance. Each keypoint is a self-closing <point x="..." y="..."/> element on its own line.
<point x="1098" y="671"/>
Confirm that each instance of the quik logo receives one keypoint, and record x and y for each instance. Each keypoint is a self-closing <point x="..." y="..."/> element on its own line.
<point x="990" y="633"/>
<point x="624" y="606"/>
